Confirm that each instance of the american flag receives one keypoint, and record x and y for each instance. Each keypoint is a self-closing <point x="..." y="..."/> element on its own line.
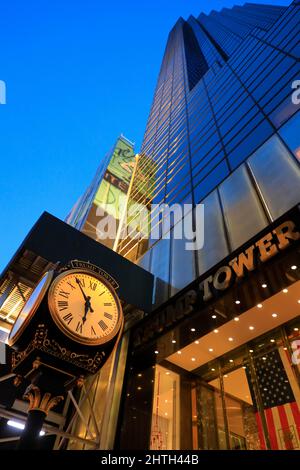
<point x="280" y="395"/>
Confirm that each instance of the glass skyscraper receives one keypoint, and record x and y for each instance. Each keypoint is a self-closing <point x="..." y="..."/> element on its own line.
<point x="213" y="366"/>
<point x="215" y="363"/>
<point x="221" y="131"/>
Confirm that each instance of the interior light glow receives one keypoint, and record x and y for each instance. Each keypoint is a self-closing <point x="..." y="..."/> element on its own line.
<point x="21" y="426"/>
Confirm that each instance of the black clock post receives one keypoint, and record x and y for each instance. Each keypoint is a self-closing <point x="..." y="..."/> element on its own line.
<point x="46" y="390"/>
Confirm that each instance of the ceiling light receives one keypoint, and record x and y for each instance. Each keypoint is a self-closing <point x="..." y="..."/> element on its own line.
<point x="166" y="401"/>
<point x="259" y="306"/>
<point x="285" y="291"/>
<point x="173" y="341"/>
<point x="156" y="352"/>
<point x="15" y="424"/>
<point x="214" y="316"/>
<point x="264" y="358"/>
<point x="193" y="359"/>
<point x="139" y="375"/>
<point x="251" y="328"/>
<point x="285" y="349"/>
<point x="236" y="319"/>
<point x="274" y="315"/>
<point x="230" y="360"/>
<point x="251" y="350"/>
<point x="18" y="425"/>
<point x="213" y="369"/>
<point x="296" y="329"/>
<point x="216" y="331"/>
<point x="166" y="414"/>
<point x="272" y="340"/>
<point x="211" y="350"/>
<point x="298" y="301"/>
<point x="178" y="352"/>
<point x="197" y="342"/>
<point x="139" y="388"/>
<point x="167" y="373"/>
<point x="230" y="339"/>
<point x="264" y="286"/>
<point x="244" y="367"/>
<point x="225" y="376"/>
<point x="193" y="330"/>
<point x="294" y="267"/>
<point x="238" y="302"/>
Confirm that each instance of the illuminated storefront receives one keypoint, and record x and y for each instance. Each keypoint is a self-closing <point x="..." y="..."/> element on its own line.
<point x="222" y="372"/>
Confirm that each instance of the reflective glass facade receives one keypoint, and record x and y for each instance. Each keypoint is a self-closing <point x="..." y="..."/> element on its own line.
<point x="222" y="131"/>
<point x="106" y="197"/>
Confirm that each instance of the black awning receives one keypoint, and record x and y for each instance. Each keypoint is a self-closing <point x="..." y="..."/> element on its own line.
<point x="55" y="241"/>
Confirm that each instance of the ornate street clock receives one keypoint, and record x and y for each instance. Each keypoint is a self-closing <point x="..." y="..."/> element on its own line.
<point x="71" y="321"/>
<point x="85" y="307"/>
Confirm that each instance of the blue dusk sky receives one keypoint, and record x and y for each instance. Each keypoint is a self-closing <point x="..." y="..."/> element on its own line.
<point x="78" y="73"/>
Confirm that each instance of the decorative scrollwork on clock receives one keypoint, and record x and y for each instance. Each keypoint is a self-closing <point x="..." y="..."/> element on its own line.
<point x="49" y="345"/>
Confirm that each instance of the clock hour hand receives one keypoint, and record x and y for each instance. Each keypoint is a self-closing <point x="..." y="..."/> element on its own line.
<point x="87" y="308"/>
<point x="88" y="303"/>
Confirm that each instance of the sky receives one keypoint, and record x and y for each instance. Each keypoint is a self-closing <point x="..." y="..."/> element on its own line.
<point x="78" y="73"/>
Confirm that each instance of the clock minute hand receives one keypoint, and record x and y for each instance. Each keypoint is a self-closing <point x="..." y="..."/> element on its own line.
<point x="79" y="283"/>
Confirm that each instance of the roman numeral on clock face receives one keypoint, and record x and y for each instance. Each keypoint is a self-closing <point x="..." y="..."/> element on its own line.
<point x="64" y="294"/>
<point x="93" y="332"/>
<point x="79" y="327"/>
<point x="93" y="285"/>
<point x="108" y="315"/>
<point x="68" y="318"/>
<point x="62" y="305"/>
<point x="107" y="304"/>
<point x="102" y="325"/>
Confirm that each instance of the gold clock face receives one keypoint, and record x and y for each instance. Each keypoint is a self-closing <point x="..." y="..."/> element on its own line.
<point x="30" y="308"/>
<point x="85" y="307"/>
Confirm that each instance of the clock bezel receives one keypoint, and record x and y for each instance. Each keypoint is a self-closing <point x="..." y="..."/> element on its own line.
<point x="13" y="339"/>
<point x="61" y="325"/>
